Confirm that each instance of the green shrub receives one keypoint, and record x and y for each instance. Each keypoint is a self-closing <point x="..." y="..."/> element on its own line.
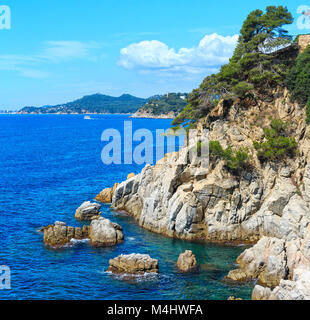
<point x="308" y="112"/>
<point x="236" y="160"/>
<point x="278" y="144"/>
<point x="298" y="78"/>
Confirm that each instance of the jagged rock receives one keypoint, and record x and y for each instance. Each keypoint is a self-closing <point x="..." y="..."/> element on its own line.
<point x="87" y="211"/>
<point x="261" y="293"/>
<point x="296" y="289"/>
<point x="105" y="196"/>
<point x="187" y="261"/>
<point x="131" y="175"/>
<point x="103" y="232"/>
<point x="266" y="261"/>
<point x="59" y="234"/>
<point x="133" y="264"/>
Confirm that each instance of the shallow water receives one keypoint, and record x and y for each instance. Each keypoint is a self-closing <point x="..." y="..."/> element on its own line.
<point x="49" y="165"/>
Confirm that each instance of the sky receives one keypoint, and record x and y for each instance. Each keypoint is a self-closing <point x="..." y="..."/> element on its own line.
<point x="59" y="50"/>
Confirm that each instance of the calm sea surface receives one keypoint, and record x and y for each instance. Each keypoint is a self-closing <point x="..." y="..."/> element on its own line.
<point x="50" y="165"/>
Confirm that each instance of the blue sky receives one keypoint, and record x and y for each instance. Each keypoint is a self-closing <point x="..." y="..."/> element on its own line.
<point x="60" y="50"/>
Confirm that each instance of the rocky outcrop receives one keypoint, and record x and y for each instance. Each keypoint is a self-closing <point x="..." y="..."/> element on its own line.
<point x="296" y="289"/>
<point x="103" y="232"/>
<point x="59" y="234"/>
<point x="142" y="113"/>
<point x="105" y="196"/>
<point x="187" y="261"/>
<point x="179" y="197"/>
<point x="266" y="261"/>
<point x="88" y="211"/>
<point x="133" y="264"/>
<point x="276" y="263"/>
<point x="182" y="199"/>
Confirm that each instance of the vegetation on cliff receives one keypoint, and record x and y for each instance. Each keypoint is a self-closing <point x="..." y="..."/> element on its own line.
<point x="278" y="145"/>
<point x="235" y="160"/>
<point x="263" y="55"/>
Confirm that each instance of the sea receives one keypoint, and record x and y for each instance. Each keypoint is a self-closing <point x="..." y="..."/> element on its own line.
<point x="50" y="165"/>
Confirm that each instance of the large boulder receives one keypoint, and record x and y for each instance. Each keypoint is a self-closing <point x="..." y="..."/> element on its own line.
<point x="266" y="261"/>
<point x="187" y="261"/>
<point x="59" y="234"/>
<point x="133" y="264"/>
<point x="88" y="211"/>
<point x="105" y="196"/>
<point x="296" y="289"/>
<point x="103" y="232"/>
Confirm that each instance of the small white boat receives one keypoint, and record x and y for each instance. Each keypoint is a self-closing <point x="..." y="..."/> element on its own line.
<point x="87" y="118"/>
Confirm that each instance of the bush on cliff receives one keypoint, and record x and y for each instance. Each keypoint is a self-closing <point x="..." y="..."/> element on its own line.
<point x="298" y="78"/>
<point x="308" y="112"/>
<point x="278" y="144"/>
<point x="236" y="160"/>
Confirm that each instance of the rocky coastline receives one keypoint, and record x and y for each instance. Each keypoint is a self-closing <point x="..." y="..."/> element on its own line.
<point x="141" y="113"/>
<point x="267" y="206"/>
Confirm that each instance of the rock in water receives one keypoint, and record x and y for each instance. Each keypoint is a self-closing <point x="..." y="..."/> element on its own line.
<point x="187" y="261"/>
<point x="133" y="264"/>
<point x="59" y="234"/>
<point x="105" y="233"/>
<point x="105" y="196"/>
<point x="87" y="211"/>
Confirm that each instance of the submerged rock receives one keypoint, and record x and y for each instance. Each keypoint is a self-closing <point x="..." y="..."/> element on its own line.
<point x="103" y="232"/>
<point x="87" y="211"/>
<point x="187" y="261"/>
<point x="133" y="264"/>
<point x="233" y="298"/>
<point x="105" y="196"/>
<point x="59" y="234"/>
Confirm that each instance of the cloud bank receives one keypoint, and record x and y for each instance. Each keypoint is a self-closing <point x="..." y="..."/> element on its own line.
<point x="213" y="51"/>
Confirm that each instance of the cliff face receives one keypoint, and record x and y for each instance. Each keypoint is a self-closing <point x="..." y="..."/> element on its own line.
<point x="270" y="200"/>
<point x="211" y="204"/>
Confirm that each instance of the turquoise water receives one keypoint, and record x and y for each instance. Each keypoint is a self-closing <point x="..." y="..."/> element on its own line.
<point x="49" y="165"/>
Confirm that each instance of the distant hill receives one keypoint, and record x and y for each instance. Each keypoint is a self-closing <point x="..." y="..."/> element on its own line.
<point x="165" y="106"/>
<point x="96" y="103"/>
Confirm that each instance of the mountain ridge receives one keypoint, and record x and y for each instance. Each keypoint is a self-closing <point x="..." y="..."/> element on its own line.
<point x="91" y="104"/>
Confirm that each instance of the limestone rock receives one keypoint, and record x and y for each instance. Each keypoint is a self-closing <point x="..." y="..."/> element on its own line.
<point x="103" y="232"/>
<point x="266" y="261"/>
<point x="261" y="293"/>
<point x="133" y="264"/>
<point x="297" y="289"/>
<point x="131" y="175"/>
<point x="87" y="211"/>
<point x="59" y="234"/>
<point x="105" y="196"/>
<point x="187" y="261"/>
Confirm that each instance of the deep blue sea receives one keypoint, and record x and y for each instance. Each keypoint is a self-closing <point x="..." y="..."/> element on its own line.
<point x="50" y="165"/>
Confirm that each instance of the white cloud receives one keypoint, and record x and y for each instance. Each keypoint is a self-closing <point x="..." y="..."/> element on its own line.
<point x="212" y="51"/>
